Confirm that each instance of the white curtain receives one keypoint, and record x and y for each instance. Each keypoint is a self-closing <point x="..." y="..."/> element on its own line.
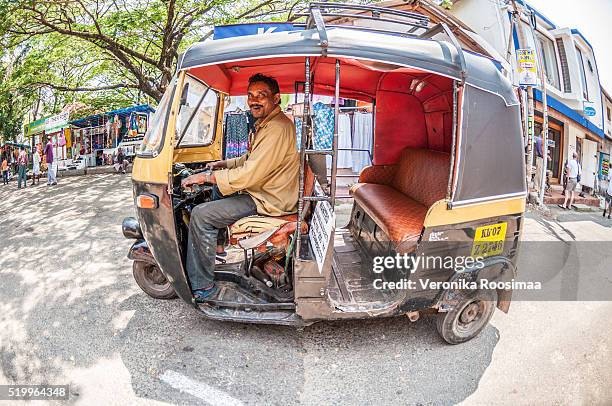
<point x="362" y="139"/>
<point x="345" y="159"/>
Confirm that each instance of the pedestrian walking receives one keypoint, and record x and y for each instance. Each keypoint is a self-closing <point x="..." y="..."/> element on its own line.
<point x="36" y="166"/>
<point x="48" y="151"/>
<point x="574" y="171"/>
<point x="22" y="167"/>
<point x="608" y="202"/>
<point x="5" y="170"/>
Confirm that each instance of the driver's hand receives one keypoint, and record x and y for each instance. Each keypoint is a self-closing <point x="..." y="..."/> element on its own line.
<point x="216" y="165"/>
<point x="196" y="179"/>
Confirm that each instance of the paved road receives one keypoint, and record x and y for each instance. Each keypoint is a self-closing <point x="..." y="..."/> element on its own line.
<point x="70" y="312"/>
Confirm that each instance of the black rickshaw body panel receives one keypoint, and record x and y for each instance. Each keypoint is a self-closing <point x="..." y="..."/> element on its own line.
<point x="159" y="231"/>
<point x="457" y="241"/>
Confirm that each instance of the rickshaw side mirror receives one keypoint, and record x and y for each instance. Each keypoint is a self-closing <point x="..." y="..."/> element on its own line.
<point x="185" y="94"/>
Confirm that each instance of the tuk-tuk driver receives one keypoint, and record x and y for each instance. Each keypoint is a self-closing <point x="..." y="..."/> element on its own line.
<point x="263" y="181"/>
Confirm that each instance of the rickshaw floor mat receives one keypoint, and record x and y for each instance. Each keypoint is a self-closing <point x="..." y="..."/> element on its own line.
<point x="231" y="292"/>
<point x="353" y="278"/>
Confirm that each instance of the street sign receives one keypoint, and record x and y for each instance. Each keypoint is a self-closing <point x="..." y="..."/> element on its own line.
<point x="527" y="68"/>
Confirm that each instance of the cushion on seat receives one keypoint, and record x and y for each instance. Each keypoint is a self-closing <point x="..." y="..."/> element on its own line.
<point x="398" y="196"/>
<point x="423" y="175"/>
<point x="399" y="216"/>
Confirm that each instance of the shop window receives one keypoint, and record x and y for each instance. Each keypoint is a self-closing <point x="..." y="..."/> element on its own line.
<point x="585" y="87"/>
<point x="609" y="114"/>
<point x="549" y="58"/>
<point x="197" y="116"/>
<point x="567" y="82"/>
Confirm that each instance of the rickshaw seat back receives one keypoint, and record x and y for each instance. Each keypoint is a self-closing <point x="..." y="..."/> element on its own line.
<point x="398" y="196"/>
<point x="250" y="227"/>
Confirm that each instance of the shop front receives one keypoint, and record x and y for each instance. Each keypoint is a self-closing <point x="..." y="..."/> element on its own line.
<point x="568" y="134"/>
<point x="555" y="147"/>
<point x="57" y="129"/>
<point x="96" y="138"/>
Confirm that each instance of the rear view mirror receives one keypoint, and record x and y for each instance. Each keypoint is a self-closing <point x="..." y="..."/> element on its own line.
<point x="185" y="94"/>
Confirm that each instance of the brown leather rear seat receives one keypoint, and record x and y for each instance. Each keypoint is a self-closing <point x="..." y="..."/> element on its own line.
<point x="398" y="196"/>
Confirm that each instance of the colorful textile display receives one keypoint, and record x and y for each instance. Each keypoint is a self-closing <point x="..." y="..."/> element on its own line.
<point x="236" y="135"/>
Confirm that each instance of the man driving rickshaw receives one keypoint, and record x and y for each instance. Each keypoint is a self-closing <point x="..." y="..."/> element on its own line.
<point x="262" y="181"/>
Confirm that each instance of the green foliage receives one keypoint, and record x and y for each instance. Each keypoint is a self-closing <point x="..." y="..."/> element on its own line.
<point x="104" y="54"/>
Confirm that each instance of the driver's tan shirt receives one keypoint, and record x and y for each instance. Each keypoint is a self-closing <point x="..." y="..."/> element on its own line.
<point x="269" y="171"/>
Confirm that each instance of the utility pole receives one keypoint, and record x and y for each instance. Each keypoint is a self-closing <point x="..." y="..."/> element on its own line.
<point x="531" y="105"/>
<point x="542" y="70"/>
<point x="516" y="22"/>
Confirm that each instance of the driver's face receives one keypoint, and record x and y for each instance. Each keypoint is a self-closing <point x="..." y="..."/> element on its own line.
<point x="261" y="100"/>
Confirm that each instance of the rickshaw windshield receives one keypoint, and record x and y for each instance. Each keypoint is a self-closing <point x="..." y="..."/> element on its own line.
<point x="152" y="141"/>
<point x="197" y="116"/>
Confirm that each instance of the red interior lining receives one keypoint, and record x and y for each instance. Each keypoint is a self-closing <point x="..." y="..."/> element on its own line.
<point x="413" y="108"/>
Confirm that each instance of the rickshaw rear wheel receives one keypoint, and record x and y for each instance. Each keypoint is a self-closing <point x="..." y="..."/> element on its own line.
<point x="466" y="320"/>
<point x="152" y="281"/>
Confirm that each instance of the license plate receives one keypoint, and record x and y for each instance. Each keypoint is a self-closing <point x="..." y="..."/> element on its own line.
<point x="489" y="240"/>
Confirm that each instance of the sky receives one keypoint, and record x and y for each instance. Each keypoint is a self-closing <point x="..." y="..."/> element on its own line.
<point x="593" y="18"/>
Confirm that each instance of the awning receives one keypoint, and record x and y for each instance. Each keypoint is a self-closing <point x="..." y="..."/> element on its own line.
<point x="98" y="119"/>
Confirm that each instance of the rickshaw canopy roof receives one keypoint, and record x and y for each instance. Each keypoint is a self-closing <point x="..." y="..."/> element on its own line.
<point x="432" y="56"/>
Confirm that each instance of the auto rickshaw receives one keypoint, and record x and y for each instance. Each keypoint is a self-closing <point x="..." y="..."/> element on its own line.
<point x="447" y="178"/>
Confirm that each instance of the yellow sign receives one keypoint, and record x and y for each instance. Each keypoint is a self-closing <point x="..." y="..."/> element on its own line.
<point x="489" y="240"/>
<point x="527" y="68"/>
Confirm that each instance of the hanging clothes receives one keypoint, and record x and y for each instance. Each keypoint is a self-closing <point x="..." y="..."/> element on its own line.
<point x="362" y="139"/>
<point x="298" y="131"/>
<point x="323" y="126"/>
<point x="236" y="135"/>
<point x="345" y="158"/>
<point x="133" y="125"/>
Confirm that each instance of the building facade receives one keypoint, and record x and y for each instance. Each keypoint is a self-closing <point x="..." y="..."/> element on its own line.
<point x="576" y="108"/>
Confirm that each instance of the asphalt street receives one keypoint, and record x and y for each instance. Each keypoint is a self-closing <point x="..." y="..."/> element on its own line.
<point x="71" y="313"/>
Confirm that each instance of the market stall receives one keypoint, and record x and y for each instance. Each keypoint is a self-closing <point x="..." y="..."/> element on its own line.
<point x="57" y="128"/>
<point x="95" y="138"/>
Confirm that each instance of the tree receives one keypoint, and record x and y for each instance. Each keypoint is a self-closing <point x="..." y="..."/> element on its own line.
<point x="137" y="42"/>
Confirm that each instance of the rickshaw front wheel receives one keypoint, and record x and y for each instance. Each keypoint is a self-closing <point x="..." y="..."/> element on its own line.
<point x="152" y="281"/>
<point x="468" y="318"/>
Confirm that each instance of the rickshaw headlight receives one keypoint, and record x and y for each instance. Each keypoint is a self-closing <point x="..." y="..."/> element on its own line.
<point x="146" y="202"/>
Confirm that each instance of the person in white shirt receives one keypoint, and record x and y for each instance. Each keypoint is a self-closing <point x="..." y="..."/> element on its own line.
<point x="573" y="173"/>
<point x="36" y="166"/>
<point x="608" y="202"/>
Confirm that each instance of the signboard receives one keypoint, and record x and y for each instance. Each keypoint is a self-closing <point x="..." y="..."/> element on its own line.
<point x="35" y="127"/>
<point x="527" y="67"/>
<point x="321" y="228"/>
<point x="239" y="30"/>
<point x="589" y="109"/>
<point x="551" y="143"/>
<point x="57" y="122"/>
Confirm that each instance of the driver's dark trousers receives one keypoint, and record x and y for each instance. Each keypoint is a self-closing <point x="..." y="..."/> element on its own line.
<point x="206" y="220"/>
